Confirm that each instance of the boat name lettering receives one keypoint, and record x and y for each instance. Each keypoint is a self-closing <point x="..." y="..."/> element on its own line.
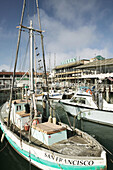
<point x="70" y="161"/>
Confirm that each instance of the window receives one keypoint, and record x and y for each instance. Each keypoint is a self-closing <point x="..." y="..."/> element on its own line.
<point x="78" y="100"/>
<point x="18" y="108"/>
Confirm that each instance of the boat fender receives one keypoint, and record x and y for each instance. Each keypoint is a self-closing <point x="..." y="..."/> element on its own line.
<point x="54" y="120"/>
<point x="2" y="138"/>
<point x="26" y="127"/>
<point x="50" y="119"/>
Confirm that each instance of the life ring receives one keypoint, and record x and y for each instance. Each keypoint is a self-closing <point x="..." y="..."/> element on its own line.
<point x="89" y="91"/>
<point x="35" y="122"/>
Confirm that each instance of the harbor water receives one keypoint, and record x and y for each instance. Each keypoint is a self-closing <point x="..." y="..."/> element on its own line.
<point x="9" y="159"/>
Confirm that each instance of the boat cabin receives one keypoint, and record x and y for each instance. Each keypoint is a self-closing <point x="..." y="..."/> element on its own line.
<point x="20" y="113"/>
<point x="85" y="100"/>
<point x="49" y="133"/>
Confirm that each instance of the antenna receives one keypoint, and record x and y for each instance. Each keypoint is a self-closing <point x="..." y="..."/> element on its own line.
<point x="54" y="59"/>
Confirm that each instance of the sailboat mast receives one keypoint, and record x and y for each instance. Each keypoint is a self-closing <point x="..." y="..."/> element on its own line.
<point x="31" y="58"/>
<point x="33" y="104"/>
<point x="18" y="43"/>
<point x="42" y="45"/>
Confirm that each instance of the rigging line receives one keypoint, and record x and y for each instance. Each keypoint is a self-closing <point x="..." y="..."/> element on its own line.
<point x="111" y="161"/>
<point x="28" y="9"/>
<point x="42" y="43"/>
<point x="4" y="147"/>
<point x="68" y="120"/>
<point x="107" y="150"/>
<point x="25" y="56"/>
<point x="29" y="157"/>
<point x="22" y="77"/>
<point x="34" y="11"/>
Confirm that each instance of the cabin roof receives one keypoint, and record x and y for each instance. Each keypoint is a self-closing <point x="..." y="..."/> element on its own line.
<point x="49" y="128"/>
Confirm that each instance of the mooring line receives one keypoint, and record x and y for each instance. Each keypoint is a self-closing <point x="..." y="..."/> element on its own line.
<point x="3" y="147"/>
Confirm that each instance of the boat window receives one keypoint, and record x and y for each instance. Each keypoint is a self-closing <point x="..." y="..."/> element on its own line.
<point x="88" y="103"/>
<point x="18" y="108"/>
<point x="75" y="100"/>
<point x="78" y="100"/>
<point x="82" y="101"/>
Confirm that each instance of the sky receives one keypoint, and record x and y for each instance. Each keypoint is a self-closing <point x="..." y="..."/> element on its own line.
<point x="78" y="29"/>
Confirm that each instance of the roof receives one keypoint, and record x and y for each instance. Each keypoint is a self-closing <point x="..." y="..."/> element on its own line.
<point x="106" y="62"/>
<point x="17" y="73"/>
<point x="81" y="62"/>
<point x="99" y="57"/>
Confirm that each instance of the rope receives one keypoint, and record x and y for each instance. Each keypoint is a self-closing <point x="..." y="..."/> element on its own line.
<point x="28" y="9"/>
<point x="29" y="159"/>
<point x="24" y="63"/>
<point x="68" y="120"/>
<point x="74" y="122"/>
<point x="4" y="147"/>
<point x="111" y="161"/>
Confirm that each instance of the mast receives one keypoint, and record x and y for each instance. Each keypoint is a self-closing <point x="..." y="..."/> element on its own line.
<point x="42" y="43"/>
<point x="33" y="103"/>
<point x="31" y="66"/>
<point x="31" y="58"/>
<point x="18" y="43"/>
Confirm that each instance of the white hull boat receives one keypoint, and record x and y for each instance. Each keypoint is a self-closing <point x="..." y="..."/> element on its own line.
<point x="83" y="106"/>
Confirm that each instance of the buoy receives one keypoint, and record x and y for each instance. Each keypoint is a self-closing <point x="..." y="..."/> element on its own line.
<point x="35" y="122"/>
<point x="50" y="119"/>
<point x="54" y="118"/>
<point x="2" y="138"/>
<point x="26" y="127"/>
<point x="89" y="91"/>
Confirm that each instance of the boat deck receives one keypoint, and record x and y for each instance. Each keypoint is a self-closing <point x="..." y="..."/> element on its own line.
<point x="78" y="144"/>
<point x="75" y="145"/>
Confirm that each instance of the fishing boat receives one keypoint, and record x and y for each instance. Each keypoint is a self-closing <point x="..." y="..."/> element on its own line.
<point x="83" y="105"/>
<point x="47" y="145"/>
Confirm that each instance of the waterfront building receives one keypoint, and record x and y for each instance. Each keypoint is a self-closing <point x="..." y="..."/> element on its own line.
<point x="66" y="75"/>
<point x="97" y="70"/>
<point x="21" y="78"/>
<point x="87" y="72"/>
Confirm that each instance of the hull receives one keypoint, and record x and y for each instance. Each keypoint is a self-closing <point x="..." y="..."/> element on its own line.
<point x="56" y="96"/>
<point x="89" y="113"/>
<point x="46" y="159"/>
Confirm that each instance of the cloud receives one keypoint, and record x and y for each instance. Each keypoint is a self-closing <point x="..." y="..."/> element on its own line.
<point x="89" y="53"/>
<point x="60" y="37"/>
<point x="4" y="67"/>
<point x="66" y="42"/>
<point x="72" y="29"/>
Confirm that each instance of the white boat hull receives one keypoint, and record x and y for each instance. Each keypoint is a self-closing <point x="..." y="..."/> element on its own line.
<point x="89" y="113"/>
